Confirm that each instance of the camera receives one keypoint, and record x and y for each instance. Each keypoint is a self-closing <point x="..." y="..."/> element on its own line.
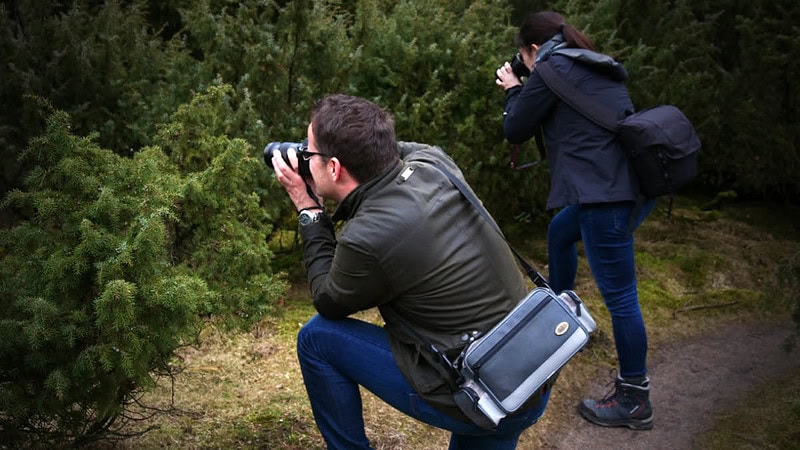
<point x="283" y="147"/>
<point x="518" y="67"/>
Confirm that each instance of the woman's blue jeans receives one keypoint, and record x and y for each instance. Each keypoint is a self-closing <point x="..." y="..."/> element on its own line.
<point x="607" y="234"/>
<point x="338" y="356"/>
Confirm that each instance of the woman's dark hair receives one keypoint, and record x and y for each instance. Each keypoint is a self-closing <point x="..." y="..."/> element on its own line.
<point x="356" y="131"/>
<point x="539" y="27"/>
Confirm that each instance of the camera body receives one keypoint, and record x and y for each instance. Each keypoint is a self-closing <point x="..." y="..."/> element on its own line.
<point x="283" y="147"/>
<point x="518" y="67"/>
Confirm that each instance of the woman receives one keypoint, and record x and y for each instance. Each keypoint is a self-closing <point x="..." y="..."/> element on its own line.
<point x="591" y="184"/>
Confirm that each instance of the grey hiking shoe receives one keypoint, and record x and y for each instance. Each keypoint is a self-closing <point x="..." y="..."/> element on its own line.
<point x="628" y="406"/>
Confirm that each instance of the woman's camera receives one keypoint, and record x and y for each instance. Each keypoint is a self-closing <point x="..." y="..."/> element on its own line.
<point x="518" y="67"/>
<point x="283" y="147"/>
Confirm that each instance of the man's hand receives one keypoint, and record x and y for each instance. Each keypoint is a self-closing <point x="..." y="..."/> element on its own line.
<point x="295" y="186"/>
<point x="506" y="78"/>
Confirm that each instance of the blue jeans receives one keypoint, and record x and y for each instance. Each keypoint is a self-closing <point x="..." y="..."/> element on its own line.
<point x="338" y="356"/>
<point x="607" y="234"/>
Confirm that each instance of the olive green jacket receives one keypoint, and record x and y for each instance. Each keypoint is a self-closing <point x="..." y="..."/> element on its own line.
<point x="414" y="247"/>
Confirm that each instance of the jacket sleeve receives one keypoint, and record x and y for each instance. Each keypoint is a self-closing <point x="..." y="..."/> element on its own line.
<point x="343" y="279"/>
<point x="526" y="108"/>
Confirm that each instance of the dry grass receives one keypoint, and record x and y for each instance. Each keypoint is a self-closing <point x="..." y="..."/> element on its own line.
<point x="703" y="269"/>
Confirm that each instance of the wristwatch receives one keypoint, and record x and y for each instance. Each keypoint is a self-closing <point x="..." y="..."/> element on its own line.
<point x="307" y="217"/>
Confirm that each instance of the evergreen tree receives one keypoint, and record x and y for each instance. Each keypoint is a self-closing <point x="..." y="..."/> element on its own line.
<point x="101" y="62"/>
<point x="118" y="262"/>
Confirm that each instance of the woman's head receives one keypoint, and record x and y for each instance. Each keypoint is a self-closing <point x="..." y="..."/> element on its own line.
<point x="540" y="27"/>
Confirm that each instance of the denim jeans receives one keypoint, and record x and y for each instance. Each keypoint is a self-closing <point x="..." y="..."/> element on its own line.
<point x="607" y="234"/>
<point x="338" y="356"/>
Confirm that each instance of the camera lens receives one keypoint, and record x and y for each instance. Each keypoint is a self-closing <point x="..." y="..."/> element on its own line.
<point x="283" y="148"/>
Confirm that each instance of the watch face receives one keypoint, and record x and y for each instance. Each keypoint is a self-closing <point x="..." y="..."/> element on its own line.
<point x="307" y="217"/>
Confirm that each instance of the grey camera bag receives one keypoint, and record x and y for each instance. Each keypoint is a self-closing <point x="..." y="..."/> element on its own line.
<point x="499" y="372"/>
<point x="513" y="361"/>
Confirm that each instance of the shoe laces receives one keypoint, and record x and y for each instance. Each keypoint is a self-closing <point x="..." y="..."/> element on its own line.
<point x="611" y="398"/>
<point x="621" y="391"/>
<point x="614" y="390"/>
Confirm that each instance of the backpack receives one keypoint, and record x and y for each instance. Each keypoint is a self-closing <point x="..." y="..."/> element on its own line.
<point x="660" y="142"/>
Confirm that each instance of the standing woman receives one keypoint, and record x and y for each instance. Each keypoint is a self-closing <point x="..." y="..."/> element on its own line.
<point x="592" y="186"/>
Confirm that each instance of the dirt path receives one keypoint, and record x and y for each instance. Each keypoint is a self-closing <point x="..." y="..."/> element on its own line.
<point x="690" y="383"/>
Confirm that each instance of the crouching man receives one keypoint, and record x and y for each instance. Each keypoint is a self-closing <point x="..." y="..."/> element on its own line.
<point x="413" y="247"/>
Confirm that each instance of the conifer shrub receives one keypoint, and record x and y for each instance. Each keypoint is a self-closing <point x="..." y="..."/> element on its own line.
<point x="119" y="263"/>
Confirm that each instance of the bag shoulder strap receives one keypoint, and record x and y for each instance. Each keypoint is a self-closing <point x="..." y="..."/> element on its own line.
<point x="581" y="102"/>
<point x="537" y="278"/>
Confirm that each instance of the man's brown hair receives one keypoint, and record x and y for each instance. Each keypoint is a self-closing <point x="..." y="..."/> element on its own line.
<point x="357" y="132"/>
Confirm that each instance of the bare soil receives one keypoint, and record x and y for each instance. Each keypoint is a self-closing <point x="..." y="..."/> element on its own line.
<point x="691" y="383"/>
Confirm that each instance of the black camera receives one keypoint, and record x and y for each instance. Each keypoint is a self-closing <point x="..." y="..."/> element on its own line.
<point x="283" y="147"/>
<point x="518" y="67"/>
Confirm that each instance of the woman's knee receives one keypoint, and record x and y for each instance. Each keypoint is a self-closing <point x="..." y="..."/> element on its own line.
<point x="623" y="305"/>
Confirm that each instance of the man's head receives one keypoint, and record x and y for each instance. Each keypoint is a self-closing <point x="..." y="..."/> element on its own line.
<point x="355" y="131"/>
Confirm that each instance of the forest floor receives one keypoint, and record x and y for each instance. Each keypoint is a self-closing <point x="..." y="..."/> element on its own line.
<point x="716" y="318"/>
<point x="246" y="392"/>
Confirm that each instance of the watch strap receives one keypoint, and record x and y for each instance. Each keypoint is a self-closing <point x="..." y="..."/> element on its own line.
<point x="308" y="208"/>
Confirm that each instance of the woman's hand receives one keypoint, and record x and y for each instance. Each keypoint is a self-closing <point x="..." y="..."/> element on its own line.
<point x="506" y="78"/>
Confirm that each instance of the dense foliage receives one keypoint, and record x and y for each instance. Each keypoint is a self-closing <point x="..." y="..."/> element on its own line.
<point x="120" y="68"/>
<point x="120" y="259"/>
<point x="145" y="204"/>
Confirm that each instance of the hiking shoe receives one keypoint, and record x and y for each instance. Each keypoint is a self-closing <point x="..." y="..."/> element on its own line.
<point x="628" y="406"/>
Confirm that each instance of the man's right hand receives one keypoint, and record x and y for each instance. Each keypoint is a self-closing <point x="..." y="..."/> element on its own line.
<point x="290" y="179"/>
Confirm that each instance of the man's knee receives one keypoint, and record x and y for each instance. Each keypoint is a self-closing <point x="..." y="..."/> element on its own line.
<point x="307" y="337"/>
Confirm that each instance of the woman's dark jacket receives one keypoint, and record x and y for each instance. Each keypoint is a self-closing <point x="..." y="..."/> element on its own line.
<point x="414" y="247"/>
<point x="587" y="165"/>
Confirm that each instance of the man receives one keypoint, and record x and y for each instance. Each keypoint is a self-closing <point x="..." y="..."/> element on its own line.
<point x="413" y="247"/>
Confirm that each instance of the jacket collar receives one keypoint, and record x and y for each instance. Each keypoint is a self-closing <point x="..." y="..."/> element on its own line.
<point x="348" y="207"/>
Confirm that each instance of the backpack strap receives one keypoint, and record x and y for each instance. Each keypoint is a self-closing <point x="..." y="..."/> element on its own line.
<point x="581" y="102"/>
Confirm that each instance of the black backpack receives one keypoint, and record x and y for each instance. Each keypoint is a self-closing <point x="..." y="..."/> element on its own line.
<point x="661" y="143"/>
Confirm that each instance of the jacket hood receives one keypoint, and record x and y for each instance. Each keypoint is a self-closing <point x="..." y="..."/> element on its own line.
<point x="597" y="61"/>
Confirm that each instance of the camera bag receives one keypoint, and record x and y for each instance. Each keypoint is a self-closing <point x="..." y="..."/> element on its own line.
<point x="514" y="360"/>
<point x="660" y="142"/>
<point x="500" y="372"/>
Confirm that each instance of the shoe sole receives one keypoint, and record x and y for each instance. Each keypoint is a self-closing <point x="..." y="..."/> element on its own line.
<point x="639" y="425"/>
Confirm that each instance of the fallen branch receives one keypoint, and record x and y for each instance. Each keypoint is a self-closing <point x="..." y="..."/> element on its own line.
<point x="694" y="307"/>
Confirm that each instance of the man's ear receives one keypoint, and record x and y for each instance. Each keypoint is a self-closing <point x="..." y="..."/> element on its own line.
<point x="334" y="168"/>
